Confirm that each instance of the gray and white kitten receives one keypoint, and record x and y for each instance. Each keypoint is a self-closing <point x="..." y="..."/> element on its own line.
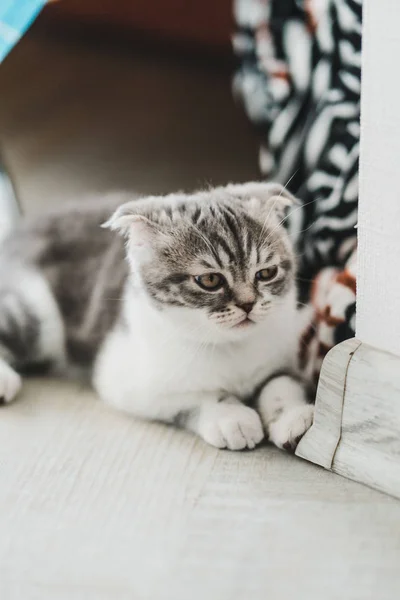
<point x="198" y="327"/>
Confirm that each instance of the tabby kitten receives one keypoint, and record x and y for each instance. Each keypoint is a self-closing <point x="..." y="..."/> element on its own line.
<point x="198" y="327"/>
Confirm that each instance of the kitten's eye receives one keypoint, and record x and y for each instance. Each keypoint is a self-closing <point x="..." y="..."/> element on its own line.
<point x="210" y="281"/>
<point x="267" y="274"/>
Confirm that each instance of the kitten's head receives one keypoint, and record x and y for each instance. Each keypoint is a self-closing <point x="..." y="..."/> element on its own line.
<point x="217" y="262"/>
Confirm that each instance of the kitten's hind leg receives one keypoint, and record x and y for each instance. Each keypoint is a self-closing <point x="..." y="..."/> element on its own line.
<point x="18" y="338"/>
<point x="31" y="329"/>
<point x="285" y="411"/>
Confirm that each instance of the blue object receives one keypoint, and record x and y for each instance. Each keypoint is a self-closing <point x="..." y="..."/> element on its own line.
<point x="15" y="18"/>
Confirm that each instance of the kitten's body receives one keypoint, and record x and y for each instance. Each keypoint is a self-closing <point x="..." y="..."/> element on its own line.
<point x="168" y="364"/>
<point x="156" y="345"/>
<point x="84" y="267"/>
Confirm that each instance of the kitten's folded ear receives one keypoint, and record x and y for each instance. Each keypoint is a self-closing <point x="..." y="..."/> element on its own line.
<point x="259" y="196"/>
<point x="131" y="221"/>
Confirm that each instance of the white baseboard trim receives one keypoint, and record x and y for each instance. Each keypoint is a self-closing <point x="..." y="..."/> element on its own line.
<point x="356" y="431"/>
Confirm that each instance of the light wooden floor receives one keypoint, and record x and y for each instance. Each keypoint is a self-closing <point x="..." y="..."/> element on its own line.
<point x="94" y="505"/>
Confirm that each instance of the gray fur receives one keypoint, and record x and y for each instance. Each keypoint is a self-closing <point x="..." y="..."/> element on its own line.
<point x="220" y="229"/>
<point x="84" y="266"/>
<point x="20" y="329"/>
<point x="216" y="228"/>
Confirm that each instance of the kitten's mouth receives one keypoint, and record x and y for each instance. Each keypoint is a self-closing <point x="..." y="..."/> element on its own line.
<point x="245" y="323"/>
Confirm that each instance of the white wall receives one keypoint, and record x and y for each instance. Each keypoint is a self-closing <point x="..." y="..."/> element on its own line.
<point x="378" y="294"/>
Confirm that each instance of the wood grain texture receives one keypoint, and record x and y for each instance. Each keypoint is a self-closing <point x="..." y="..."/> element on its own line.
<point x="365" y="382"/>
<point x="97" y="506"/>
<point x="319" y="445"/>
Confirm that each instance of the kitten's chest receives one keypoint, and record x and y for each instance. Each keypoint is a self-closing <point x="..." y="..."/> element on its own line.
<point x="145" y="362"/>
<point x="239" y="370"/>
<point x="234" y="368"/>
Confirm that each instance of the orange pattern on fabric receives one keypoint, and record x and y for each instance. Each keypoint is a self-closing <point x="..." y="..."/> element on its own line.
<point x="311" y="20"/>
<point x="347" y="279"/>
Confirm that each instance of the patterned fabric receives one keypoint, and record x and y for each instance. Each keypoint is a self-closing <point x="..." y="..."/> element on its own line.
<point x="333" y="297"/>
<point x="299" y="80"/>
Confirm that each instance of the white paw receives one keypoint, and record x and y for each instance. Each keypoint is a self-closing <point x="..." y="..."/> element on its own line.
<point x="289" y="428"/>
<point x="232" y="426"/>
<point x="10" y="383"/>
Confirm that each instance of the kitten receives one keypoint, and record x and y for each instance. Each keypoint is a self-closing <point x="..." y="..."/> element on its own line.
<point x="198" y="327"/>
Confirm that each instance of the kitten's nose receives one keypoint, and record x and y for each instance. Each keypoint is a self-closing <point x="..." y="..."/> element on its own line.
<point x="247" y="307"/>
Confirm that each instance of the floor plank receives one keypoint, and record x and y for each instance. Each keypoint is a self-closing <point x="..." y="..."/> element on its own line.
<point x="97" y="505"/>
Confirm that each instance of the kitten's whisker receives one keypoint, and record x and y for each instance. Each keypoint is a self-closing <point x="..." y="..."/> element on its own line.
<point x="287" y="217"/>
<point x="276" y="200"/>
<point x="303" y="303"/>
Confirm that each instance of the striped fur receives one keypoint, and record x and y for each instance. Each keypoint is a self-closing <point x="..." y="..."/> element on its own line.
<point x="158" y="344"/>
<point x="227" y="230"/>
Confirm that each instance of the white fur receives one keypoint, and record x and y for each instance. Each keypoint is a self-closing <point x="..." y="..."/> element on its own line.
<point x="229" y="424"/>
<point x="186" y="364"/>
<point x="285" y="412"/>
<point x="287" y="431"/>
<point x="36" y="292"/>
<point x="176" y="361"/>
<point x="168" y="362"/>
<point x="10" y="382"/>
<point x="32" y="287"/>
<point x="158" y="366"/>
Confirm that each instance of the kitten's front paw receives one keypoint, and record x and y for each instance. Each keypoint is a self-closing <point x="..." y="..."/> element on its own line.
<point x="10" y="383"/>
<point x="287" y="431"/>
<point x="232" y="426"/>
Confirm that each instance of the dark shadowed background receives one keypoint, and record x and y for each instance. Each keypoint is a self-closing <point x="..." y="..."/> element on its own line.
<point x="104" y="95"/>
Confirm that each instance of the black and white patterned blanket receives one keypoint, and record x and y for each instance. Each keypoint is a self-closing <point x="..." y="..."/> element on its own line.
<point x="299" y="80"/>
